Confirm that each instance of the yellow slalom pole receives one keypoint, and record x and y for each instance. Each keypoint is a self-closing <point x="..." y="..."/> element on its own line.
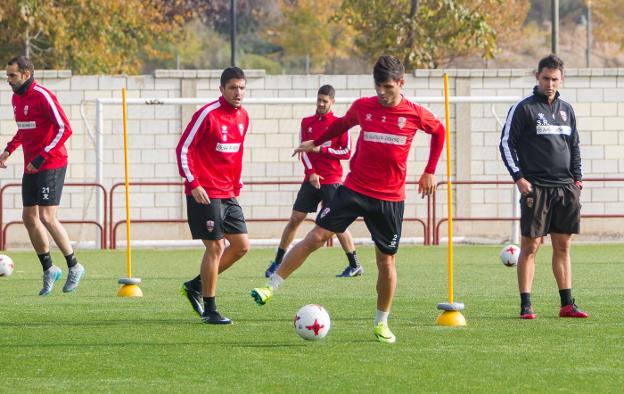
<point x="451" y="315"/>
<point x="129" y="286"/>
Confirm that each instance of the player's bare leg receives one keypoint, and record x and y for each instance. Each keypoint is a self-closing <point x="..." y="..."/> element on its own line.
<point x="36" y="229"/>
<point x="526" y="271"/>
<point x="561" y="266"/>
<point x="295" y="257"/>
<point x="47" y="214"/>
<point x="39" y="240"/>
<point x="288" y="235"/>
<point x="386" y="287"/>
<point x="562" y="269"/>
<point x="237" y="248"/>
<point x="354" y="268"/>
<point x="209" y="276"/>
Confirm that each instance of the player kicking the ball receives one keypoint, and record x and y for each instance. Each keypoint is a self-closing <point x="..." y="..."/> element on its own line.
<point x="375" y="186"/>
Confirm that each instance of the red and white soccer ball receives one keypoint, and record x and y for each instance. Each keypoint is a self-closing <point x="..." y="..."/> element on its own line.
<point x="6" y="265"/>
<point x="509" y="255"/>
<point x="312" y="322"/>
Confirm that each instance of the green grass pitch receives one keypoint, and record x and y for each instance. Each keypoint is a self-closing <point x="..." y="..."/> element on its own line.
<point x="93" y="341"/>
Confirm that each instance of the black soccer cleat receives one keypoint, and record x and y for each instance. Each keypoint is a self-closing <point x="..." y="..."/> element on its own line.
<point x="193" y="296"/>
<point x="215" y="318"/>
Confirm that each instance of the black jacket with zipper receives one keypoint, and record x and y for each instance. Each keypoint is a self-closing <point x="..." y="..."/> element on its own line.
<point x="540" y="142"/>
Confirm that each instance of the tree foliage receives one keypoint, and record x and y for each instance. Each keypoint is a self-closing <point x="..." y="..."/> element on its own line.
<point x="307" y="30"/>
<point x="609" y="15"/>
<point x="88" y="36"/>
<point x="438" y="31"/>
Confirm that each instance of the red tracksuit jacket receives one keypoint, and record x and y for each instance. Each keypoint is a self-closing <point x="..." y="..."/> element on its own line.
<point x="378" y="166"/>
<point x="42" y="127"/>
<point x="325" y="163"/>
<point x="210" y="151"/>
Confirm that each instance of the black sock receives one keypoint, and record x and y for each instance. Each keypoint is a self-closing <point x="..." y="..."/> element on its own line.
<point x="46" y="260"/>
<point x="279" y="255"/>
<point x="210" y="305"/>
<point x="525" y="299"/>
<point x="195" y="283"/>
<point x="566" y="297"/>
<point x="71" y="260"/>
<point x="353" y="259"/>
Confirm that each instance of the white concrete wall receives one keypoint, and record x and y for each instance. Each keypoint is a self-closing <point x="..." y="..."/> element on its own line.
<point x="596" y="94"/>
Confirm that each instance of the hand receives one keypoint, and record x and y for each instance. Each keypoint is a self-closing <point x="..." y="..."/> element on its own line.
<point x="426" y="184"/>
<point x="200" y="195"/>
<point x="3" y="158"/>
<point x="31" y="169"/>
<point x="315" y="180"/>
<point x="524" y="186"/>
<point x="306" y="146"/>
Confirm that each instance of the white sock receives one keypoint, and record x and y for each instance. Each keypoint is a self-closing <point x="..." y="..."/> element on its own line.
<point x="275" y="281"/>
<point x="381" y="317"/>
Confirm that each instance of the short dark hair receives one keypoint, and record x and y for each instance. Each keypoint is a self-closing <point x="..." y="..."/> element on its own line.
<point x="23" y="64"/>
<point x="388" y="68"/>
<point x="231" y="73"/>
<point x="327" y="90"/>
<point x="550" y="61"/>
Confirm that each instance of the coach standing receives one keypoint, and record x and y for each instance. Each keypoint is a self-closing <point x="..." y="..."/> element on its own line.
<point x="42" y="131"/>
<point x="540" y="148"/>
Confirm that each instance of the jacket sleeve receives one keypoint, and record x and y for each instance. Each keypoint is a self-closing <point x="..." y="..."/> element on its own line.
<point x="575" y="151"/>
<point x="430" y="124"/>
<point x="340" y="147"/>
<point x="308" y="168"/>
<point x="186" y="149"/>
<point x="62" y="129"/>
<point x="15" y="142"/>
<point x="509" y="141"/>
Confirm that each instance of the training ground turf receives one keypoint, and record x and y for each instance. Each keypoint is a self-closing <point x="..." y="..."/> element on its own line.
<point x="93" y="341"/>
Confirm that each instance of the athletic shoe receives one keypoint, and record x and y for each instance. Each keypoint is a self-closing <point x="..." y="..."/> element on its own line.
<point x="272" y="268"/>
<point x="572" y="311"/>
<point x="350" y="272"/>
<point x="383" y="333"/>
<point x="215" y="318"/>
<point x="193" y="296"/>
<point x="50" y="277"/>
<point x="526" y="312"/>
<point x="262" y="295"/>
<point x="73" y="278"/>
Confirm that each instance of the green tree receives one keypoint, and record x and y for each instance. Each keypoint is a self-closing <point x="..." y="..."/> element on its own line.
<point x="88" y="36"/>
<point x="423" y="34"/>
<point x="308" y="37"/>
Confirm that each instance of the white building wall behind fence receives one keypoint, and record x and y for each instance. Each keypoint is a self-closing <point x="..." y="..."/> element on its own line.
<point x="596" y="94"/>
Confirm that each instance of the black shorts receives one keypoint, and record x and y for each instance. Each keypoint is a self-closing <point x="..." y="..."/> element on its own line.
<point x="384" y="219"/>
<point x="551" y="210"/>
<point x="222" y="216"/>
<point x="309" y="197"/>
<point x="43" y="188"/>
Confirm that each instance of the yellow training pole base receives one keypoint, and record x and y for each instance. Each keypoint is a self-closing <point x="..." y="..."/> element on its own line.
<point x="451" y="319"/>
<point x="451" y="315"/>
<point x="129" y="288"/>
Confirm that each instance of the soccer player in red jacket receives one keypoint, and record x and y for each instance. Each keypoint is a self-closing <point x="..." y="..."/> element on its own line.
<point x="323" y="175"/>
<point x="42" y="131"/>
<point x="210" y="159"/>
<point x="375" y="185"/>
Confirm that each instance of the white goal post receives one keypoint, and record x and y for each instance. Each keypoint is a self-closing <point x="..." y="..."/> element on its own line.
<point x="100" y="104"/>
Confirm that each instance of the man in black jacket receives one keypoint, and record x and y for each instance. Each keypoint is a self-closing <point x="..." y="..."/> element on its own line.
<point x="540" y="148"/>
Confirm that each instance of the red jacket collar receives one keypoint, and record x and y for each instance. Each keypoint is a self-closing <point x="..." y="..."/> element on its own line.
<point x="227" y="106"/>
